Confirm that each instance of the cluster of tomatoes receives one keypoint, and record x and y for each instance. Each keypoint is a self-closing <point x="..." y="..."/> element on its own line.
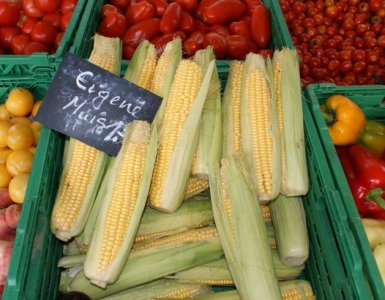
<point x="340" y="41"/>
<point x="232" y="27"/>
<point x="28" y="26"/>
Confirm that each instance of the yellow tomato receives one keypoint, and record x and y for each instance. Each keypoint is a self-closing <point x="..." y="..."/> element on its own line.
<point x="20" y="102"/>
<point x="19" y="162"/>
<point x="35" y="108"/>
<point x="5" y="177"/>
<point x="36" y="128"/>
<point x="4" y="113"/>
<point x="17" y="187"/>
<point x="4" y="127"/>
<point x="24" y="120"/>
<point x="20" y="137"/>
<point x="4" y="154"/>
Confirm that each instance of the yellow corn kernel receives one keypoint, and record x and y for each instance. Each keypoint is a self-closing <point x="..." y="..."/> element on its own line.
<point x="125" y="192"/>
<point x="221" y="282"/>
<point x="102" y="55"/>
<point x="159" y="78"/>
<point x="148" y="68"/>
<point x="266" y="212"/>
<point x="183" y="91"/>
<point x="296" y="290"/>
<point x="192" y="235"/>
<point x="185" y="292"/>
<point x="232" y="110"/>
<point x="196" y="186"/>
<point x="74" y="185"/>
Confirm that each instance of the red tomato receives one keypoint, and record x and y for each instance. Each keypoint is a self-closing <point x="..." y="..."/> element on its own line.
<point x="19" y="42"/>
<point x="190" y="46"/>
<point x="9" y="14"/>
<point x="44" y="32"/>
<point x="202" y="7"/>
<point x="199" y="25"/>
<point x="171" y="18"/>
<point x="160" y="6"/>
<point x="28" y="24"/>
<point x="68" y="6"/>
<point x="381" y="41"/>
<point x="48" y="6"/>
<point x="260" y="27"/>
<point x="363" y="7"/>
<point x="240" y="28"/>
<point x="139" y="11"/>
<point x="218" y="42"/>
<point x="187" y="23"/>
<point x="162" y="41"/>
<point x="359" y="67"/>
<point x="31" y="10"/>
<point x="198" y="36"/>
<point x="266" y="53"/>
<point x="54" y="18"/>
<point x="145" y="30"/>
<point x="113" y="25"/>
<point x="121" y="3"/>
<point x="188" y="5"/>
<point x="65" y="19"/>
<point x="58" y="38"/>
<point x="33" y="47"/>
<point x="238" y="46"/>
<point x="220" y="29"/>
<point x="7" y="33"/>
<point x="251" y="4"/>
<point x="128" y="52"/>
<point x="223" y="11"/>
<point x="107" y="8"/>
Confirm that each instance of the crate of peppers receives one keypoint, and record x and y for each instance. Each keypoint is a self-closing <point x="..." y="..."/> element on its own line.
<point x="351" y="124"/>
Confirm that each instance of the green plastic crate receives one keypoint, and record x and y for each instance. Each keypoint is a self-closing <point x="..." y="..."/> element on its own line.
<point x="362" y="280"/>
<point x="43" y="64"/>
<point x="32" y="272"/>
<point x="82" y="44"/>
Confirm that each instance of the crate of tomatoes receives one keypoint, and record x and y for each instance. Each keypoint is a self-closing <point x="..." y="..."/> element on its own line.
<point x="35" y="34"/>
<point x="350" y="125"/>
<point x="232" y="27"/>
<point x="30" y="159"/>
<point x="341" y="42"/>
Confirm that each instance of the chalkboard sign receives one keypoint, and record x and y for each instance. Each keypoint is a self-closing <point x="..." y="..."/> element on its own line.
<point x="93" y="105"/>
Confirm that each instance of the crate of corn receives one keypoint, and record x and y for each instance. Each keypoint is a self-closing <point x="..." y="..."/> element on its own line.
<point x="46" y="57"/>
<point x="35" y="251"/>
<point x="340" y="245"/>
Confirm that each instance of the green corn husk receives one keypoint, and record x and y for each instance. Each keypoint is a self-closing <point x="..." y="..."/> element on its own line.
<point x="292" y="289"/>
<point x="218" y="272"/>
<point x="111" y="273"/>
<point x="193" y="213"/>
<point x="242" y="231"/>
<point x="289" y="222"/>
<point x="163" y="288"/>
<point x="70" y="261"/>
<point x="211" y="122"/>
<point x="147" y="268"/>
<point x="295" y="179"/>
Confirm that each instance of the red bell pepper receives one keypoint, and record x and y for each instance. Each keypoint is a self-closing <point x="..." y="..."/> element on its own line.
<point x="365" y="173"/>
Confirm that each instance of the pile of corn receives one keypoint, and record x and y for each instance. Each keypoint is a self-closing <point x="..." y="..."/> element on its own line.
<point x="207" y="195"/>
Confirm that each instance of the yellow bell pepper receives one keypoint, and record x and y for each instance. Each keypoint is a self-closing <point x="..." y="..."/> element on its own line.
<point x="344" y="118"/>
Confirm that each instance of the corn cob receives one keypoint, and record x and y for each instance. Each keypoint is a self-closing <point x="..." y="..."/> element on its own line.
<point x="124" y="202"/>
<point x="179" y="135"/>
<point x="146" y="268"/>
<point x="211" y="123"/>
<point x="142" y="65"/>
<point x="163" y="289"/>
<point x="84" y="165"/>
<point x="289" y="222"/>
<point x="195" y="186"/>
<point x="290" y="290"/>
<point x="259" y="128"/>
<point x="287" y="87"/>
<point x="232" y="110"/>
<point x="242" y="231"/>
<point x="193" y="213"/>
